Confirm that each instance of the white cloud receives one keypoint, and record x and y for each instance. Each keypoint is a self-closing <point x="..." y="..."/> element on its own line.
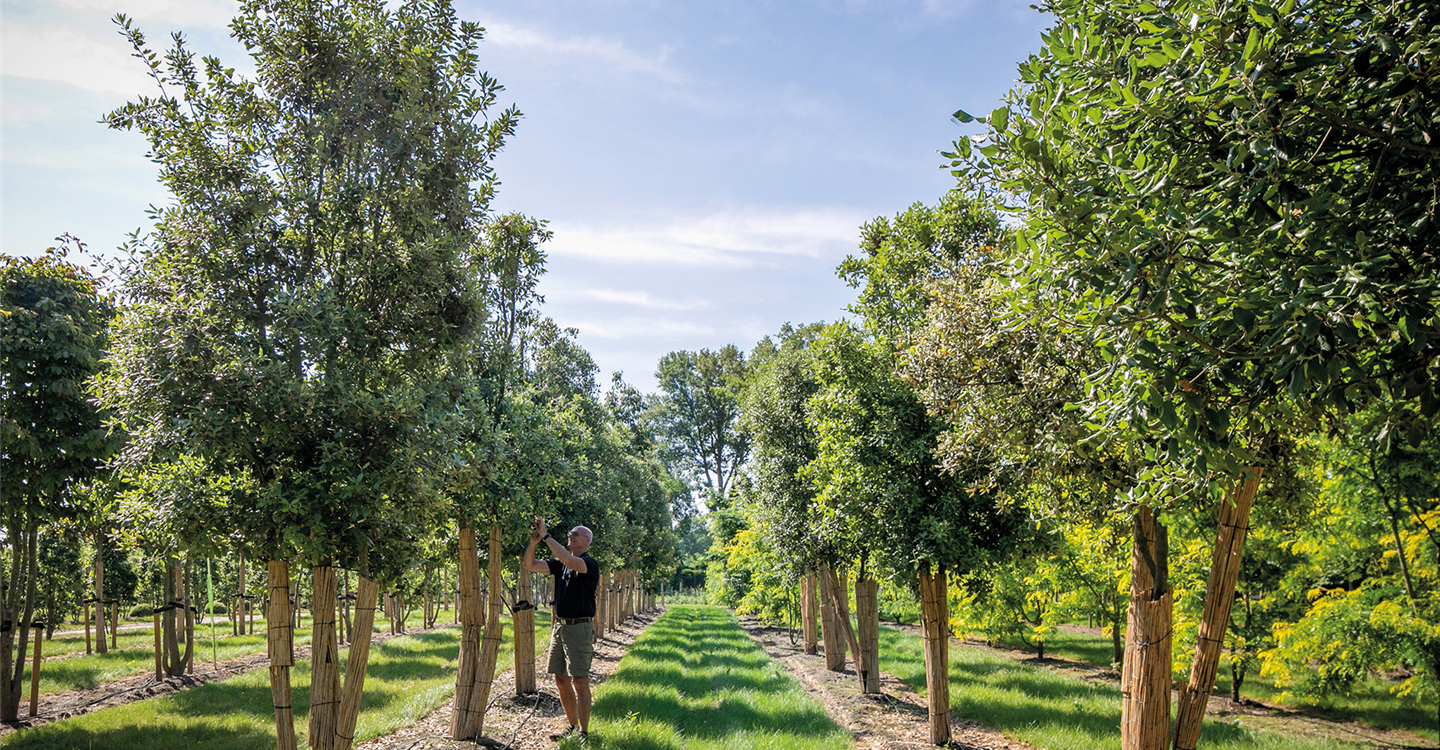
<point x="732" y="238"/>
<point x="609" y="52"/>
<point x="66" y="55"/>
<point x="645" y="329"/>
<point x="631" y="298"/>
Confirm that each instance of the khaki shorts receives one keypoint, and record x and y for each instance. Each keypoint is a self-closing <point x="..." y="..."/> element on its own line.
<point x="572" y="647"/>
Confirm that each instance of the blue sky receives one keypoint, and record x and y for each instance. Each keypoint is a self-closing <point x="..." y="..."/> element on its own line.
<point x="704" y="166"/>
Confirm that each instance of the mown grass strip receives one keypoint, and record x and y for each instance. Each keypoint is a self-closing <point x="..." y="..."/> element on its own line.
<point x="408" y="678"/>
<point x="1051" y="710"/>
<point x="695" y="680"/>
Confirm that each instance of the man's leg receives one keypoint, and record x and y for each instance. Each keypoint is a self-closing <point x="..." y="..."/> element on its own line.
<point x="582" y="698"/>
<point x="563" y="686"/>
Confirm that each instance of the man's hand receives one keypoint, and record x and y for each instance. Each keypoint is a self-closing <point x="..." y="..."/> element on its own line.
<point x="534" y="536"/>
<point x="539" y="527"/>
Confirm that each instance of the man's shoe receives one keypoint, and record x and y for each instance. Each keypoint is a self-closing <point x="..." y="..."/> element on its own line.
<point x="572" y="730"/>
<point x="584" y="737"/>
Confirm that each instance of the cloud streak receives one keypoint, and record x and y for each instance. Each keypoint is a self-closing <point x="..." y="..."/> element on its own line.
<point x="611" y="53"/>
<point x="731" y="238"/>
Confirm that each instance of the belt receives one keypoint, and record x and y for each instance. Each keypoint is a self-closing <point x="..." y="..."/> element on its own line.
<point x="572" y="620"/>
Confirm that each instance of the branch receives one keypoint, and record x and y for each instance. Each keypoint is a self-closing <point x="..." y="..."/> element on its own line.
<point x="1372" y="132"/>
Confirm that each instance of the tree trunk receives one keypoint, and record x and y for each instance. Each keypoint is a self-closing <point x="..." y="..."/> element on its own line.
<point x="490" y="644"/>
<point x="17" y="607"/>
<point x="523" y="623"/>
<point x="1145" y="676"/>
<point x="462" y="718"/>
<point x="1219" y="596"/>
<point x="602" y="606"/>
<point x="169" y="620"/>
<point x="349" y="710"/>
<point x="100" y="645"/>
<point x="830" y="623"/>
<point x="935" y="631"/>
<point x="279" y="645"/>
<point x="867" y="615"/>
<point x="244" y="601"/>
<point x="324" y="660"/>
<point x="189" y="658"/>
<point x="808" y="607"/>
<point x="835" y="585"/>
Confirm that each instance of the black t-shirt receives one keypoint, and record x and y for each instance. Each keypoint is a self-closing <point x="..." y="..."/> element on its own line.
<point x="575" y="592"/>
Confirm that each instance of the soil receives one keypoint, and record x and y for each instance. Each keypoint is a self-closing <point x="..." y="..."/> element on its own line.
<point x="894" y="719"/>
<point x="517" y="722"/>
<point x="72" y="703"/>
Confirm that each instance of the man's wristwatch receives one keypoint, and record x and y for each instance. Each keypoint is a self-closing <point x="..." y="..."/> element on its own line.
<point x="547" y="536"/>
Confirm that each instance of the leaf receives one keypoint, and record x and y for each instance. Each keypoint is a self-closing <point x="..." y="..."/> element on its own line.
<point x="962" y="116"/>
<point x="1000" y="118"/>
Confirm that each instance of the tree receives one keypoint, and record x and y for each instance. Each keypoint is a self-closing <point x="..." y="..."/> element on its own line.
<point x="53" y="332"/>
<point x="291" y="314"/>
<point x="696" y="418"/>
<point x="1236" y="202"/>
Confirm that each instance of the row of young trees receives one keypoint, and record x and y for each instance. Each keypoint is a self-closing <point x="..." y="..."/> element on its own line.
<point x="328" y="354"/>
<point x="1188" y="272"/>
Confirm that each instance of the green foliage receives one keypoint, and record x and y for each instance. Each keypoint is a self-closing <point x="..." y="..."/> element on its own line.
<point x="289" y="317"/>
<point x="696" y="418"/>
<point x="1236" y="202"/>
<point x="54" y="322"/>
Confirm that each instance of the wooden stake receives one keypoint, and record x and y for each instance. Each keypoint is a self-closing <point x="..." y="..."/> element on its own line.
<point x="88" y="650"/>
<point x="35" y="668"/>
<point x="355" y="667"/>
<point x="1145" y="676"/>
<point x="159" y="657"/>
<point x="279" y="641"/>
<point x="1219" y="596"/>
<point x="114" y="623"/>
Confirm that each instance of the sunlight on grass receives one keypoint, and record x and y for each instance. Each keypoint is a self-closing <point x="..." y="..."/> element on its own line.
<point x="1050" y="710"/>
<point x="408" y="678"/>
<point x="695" y="680"/>
<point x="1371" y="701"/>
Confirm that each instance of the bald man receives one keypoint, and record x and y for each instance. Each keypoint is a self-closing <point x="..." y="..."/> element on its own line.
<point x="572" y="638"/>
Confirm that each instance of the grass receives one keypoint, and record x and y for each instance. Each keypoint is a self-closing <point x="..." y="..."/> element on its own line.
<point x="77" y="672"/>
<point x="1370" y="702"/>
<point x="1051" y="710"/>
<point x="407" y="678"/>
<point x="695" y="680"/>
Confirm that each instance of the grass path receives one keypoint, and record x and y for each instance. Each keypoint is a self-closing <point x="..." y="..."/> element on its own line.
<point x="1050" y="710"/>
<point x="408" y="677"/>
<point x="695" y="680"/>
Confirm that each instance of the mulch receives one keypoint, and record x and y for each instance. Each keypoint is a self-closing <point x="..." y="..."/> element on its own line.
<point x="896" y="718"/>
<point x="517" y="722"/>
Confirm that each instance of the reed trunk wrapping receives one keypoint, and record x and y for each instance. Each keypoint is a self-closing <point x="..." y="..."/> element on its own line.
<point x="349" y="711"/>
<point x="867" y="616"/>
<point x="462" y="718"/>
<point x="490" y="644"/>
<point x="100" y="645"/>
<point x="278" y="644"/>
<point x="159" y="654"/>
<point x="523" y="623"/>
<point x="808" y="607"/>
<point x="830" y="623"/>
<point x="1145" y="676"/>
<point x="324" y="660"/>
<point x="835" y="586"/>
<point x="935" y="629"/>
<point x="1219" y="596"/>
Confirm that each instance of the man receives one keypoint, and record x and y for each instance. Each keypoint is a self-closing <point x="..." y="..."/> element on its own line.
<point x="572" y="638"/>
